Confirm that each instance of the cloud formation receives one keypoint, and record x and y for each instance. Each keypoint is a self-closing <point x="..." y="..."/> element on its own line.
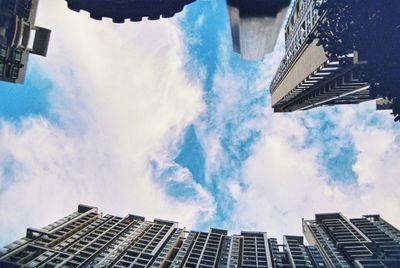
<point x="267" y="170"/>
<point x="120" y="97"/>
<point x="286" y="178"/>
<point x="121" y="102"/>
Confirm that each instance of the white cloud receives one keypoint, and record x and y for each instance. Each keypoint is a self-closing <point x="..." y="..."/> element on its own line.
<point x="121" y="96"/>
<point x="200" y="21"/>
<point x="286" y="179"/>
<point x="123" y="99"/>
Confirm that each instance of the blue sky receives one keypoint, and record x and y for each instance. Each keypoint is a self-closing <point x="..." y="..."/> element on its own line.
<point x="19" y="101"/>
<point x="163" y="119"/>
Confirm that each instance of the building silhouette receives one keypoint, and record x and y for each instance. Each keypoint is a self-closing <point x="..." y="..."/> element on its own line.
<point x="17" y="22"/>
<point x="255" y="26"/>
<point x="306" y="78"/>
<point x="87" y="238"/>
<point x="134" y="10"/>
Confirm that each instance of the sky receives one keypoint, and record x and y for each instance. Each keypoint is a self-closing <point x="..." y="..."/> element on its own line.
<point x="162" y="119"/>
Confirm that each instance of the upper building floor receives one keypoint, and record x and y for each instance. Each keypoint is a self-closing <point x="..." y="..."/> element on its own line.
<point x="362" y="242"/>
<point x="306" y="77"/>
<point x="17" y="25"/>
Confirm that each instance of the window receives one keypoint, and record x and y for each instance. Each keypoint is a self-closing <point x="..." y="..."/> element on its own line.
<point x="3" y="51"/>
<point x="14" y="72"/>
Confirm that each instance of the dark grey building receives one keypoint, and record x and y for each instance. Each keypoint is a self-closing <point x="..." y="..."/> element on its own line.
<point x="87" y="238"/>
<point x="306" y="78"/>
<point x="134" y="10"/>
<point x="17" y="23"/>
<point x="365" y="242"/>
<point x="255" y="26"/>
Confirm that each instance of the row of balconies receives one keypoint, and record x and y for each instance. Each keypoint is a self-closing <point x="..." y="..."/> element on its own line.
<point x="295" y="41"/>
<point x="51" y="238"/>
<point x="328" y="246"/>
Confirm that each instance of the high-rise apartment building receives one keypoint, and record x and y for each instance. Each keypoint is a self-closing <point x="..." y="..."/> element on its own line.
<point x="300" y="255"/>
<point x="306" y="78"/>
<point x="17" y="24"/>
<point x="134" y="10"/>
<point x="365" y="242"/>
<point x="86" y="238"/>
<point x="255" y="26"/>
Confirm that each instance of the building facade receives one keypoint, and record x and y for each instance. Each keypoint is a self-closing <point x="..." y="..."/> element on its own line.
<point x="300" y="255"/>
<point x="134" y="10"/>
<point x="17" y="23"/>
<point x="306" y="78"/>
<point x="363" y="242"/>
<point x="87" y="238"/>
<point x="255" y="26"/>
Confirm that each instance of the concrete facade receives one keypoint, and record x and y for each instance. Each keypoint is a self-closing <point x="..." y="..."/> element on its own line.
<point x="364" y="242"/>
<point x="255" y="26"/>
<point x="300" y="255"/>
<point x="306" y="78"/>
<point x="17" y="23"/>
<point x="87" y="238"/>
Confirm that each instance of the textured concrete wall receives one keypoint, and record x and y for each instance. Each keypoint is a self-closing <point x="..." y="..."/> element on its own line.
<point x="254" y="36"/>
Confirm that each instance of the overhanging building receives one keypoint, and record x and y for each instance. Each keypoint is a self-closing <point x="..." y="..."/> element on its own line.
<point x="306" y="78"/>
<point x="255" y="26"/>
<point x="87" y="238"/>
<point x="134" y="10"/>
<point x="17" y="23"/>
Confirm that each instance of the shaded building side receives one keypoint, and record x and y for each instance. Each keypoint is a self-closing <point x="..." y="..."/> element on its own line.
<point x="306" y="78"/>
<point x="17" y="25"/>
<point x="255" y="26"/>
<point x="134" y="10"/>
